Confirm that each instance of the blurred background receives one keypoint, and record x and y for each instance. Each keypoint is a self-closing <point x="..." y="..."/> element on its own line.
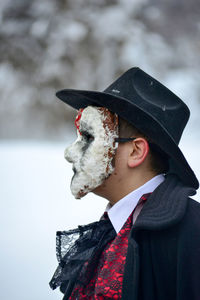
<point x="53" y="44"/>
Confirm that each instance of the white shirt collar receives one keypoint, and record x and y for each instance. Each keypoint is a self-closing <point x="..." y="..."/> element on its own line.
<point x="119" y="213"/>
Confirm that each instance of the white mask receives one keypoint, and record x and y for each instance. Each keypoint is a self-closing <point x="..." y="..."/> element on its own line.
<point x="93" y="151"/>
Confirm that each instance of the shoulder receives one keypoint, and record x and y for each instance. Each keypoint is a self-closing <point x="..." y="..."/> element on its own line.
<point x="193" y="210"/>
<point x="193" y="203"/>
<point x="190" y="224"/>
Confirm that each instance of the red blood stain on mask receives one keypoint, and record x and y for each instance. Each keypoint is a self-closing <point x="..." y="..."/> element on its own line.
<point x="77" y="120"/>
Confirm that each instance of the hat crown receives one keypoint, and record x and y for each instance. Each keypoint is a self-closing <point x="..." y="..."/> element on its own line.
<point x="154" y="99"/>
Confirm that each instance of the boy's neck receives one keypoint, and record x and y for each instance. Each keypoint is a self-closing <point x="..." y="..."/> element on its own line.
<point x="115" y="191"/>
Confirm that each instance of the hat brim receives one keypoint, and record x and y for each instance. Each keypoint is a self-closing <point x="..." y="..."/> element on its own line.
<point x="134" y="114"/>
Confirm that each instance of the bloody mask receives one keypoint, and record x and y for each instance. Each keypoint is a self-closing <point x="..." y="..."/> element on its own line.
<point x="93" y="151"/>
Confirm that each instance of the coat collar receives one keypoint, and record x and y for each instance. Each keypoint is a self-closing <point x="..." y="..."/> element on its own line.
<point x="166" y="206"/>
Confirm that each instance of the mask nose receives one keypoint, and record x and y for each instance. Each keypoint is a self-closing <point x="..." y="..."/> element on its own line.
<point x="69" y="153"/>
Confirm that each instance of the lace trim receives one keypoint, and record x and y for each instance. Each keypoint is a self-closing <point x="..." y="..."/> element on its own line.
<point x="77" y="246"/>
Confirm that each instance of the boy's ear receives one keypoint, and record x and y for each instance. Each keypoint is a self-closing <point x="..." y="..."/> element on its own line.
<point x="138" y="153"/>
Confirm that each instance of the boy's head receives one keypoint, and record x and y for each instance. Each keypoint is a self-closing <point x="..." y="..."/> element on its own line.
<point x="93" y="153"/>
<point x="154" y="116"/>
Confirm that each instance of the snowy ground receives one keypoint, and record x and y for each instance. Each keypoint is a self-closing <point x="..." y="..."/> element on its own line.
<point x="35" y="203"/>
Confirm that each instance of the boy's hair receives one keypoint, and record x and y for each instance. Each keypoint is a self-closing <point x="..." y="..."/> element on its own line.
<point x="159" y="161"/>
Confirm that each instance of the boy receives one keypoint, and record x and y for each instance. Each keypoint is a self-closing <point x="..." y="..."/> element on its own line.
<point x="147" y="244"/>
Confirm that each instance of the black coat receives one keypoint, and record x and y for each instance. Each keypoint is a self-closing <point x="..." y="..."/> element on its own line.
<point x="163" y="259"/>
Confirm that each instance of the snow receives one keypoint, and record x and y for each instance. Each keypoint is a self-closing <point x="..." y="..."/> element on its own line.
<point x="36" y="202"/>
<point x="49" y="45"/>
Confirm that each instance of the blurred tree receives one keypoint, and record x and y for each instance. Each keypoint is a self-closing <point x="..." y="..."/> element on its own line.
<point x="48" y="45"/>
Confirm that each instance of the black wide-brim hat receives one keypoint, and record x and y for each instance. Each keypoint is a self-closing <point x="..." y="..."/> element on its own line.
<point x="149" y="106"/>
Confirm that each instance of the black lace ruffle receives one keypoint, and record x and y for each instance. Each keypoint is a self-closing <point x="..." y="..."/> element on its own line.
<point x="78" y="246"/>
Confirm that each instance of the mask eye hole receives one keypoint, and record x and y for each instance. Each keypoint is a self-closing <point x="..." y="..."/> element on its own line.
<point x="87" y="136"/>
